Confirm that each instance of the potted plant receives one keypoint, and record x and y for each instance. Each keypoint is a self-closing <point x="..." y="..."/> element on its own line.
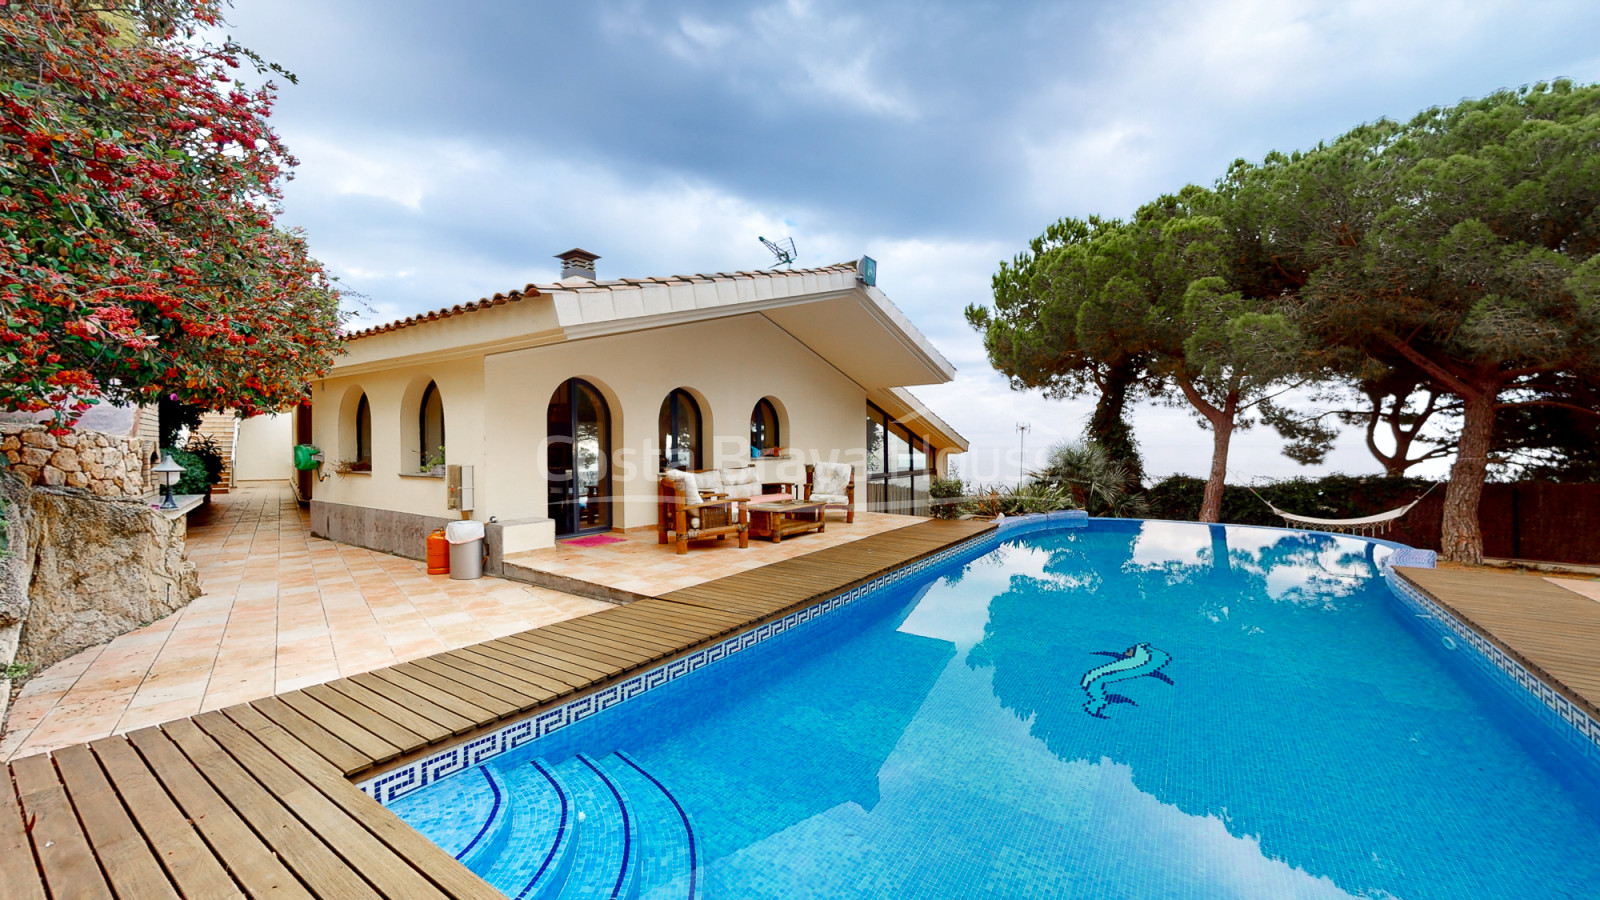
<point x="433" y="463"/>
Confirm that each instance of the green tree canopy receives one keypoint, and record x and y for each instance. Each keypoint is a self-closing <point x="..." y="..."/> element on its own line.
<point x="1159" y="291"/>
<point x="1461" y="244"/>
<point x="1032" y="335"/>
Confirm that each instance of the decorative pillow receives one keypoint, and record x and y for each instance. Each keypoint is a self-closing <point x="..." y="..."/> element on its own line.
<point x="830" y="478"/>
<point x="742" y="475"/>
<point x="710" y="481"/>
<point x="687" y="484"/>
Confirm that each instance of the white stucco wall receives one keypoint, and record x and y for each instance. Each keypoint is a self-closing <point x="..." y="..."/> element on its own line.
<point x="264" y="450"/>
<point x="495" y="409"/>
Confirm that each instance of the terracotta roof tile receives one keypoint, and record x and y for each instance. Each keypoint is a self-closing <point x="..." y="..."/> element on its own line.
<point x="531" y="291"/>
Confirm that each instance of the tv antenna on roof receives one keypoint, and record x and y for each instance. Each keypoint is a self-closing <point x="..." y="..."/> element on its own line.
<point x="782" y="251"/>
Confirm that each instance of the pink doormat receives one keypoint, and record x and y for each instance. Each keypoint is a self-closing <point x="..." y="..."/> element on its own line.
<point x="593" y="540"/>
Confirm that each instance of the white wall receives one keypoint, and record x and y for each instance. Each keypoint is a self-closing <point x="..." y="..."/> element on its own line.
<point x="495" y="409"/>
<point x="264" y="450"/>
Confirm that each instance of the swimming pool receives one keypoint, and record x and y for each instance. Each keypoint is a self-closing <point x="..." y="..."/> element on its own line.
<point x="1133" y="709"/>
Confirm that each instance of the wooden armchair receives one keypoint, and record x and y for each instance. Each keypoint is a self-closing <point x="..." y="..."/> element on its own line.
<point x="693" y="517"/>
<point x="833" y="484"/>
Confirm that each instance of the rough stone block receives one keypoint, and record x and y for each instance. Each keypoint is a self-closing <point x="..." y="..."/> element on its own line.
<point x="37" y="439"/>
<point x="52" y="476"/>
<point x="35" y="456"/>
<point x="66" y="460"/>
<point x="77" y="480"/>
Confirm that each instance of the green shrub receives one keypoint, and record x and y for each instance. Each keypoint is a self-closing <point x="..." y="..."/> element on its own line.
<point x="1021" y="500"/>
<point x="195" y="479"/>
<point x="944" y="497"/>
<point x="1331" y="497"/>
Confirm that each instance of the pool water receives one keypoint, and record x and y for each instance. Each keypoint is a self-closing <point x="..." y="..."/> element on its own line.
<point x="1132" y="710"/>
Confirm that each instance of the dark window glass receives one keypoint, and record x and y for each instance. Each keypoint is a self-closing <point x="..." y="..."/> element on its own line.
<point x="763" y="428"/>
<point x="899" y="450"/>
<point x="363" y="432"/>
<point x="875" y="441"/>
<point x="680" y="431"/>
<point x="431" y="427"/>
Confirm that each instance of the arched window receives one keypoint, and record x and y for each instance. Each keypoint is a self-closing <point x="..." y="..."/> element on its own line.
<point x="680" y="431"/>
<point x="764" y="438"/>
<point x="430" y="427"/>
<point x="363" y="460"/>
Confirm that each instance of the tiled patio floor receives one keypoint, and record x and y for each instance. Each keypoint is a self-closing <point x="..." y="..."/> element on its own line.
<point x="281" y="610"/>
<point x="639" y="565"/>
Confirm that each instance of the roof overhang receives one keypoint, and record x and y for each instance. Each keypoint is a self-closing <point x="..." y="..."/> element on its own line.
<point x="905" y="408"/>
<point x="854" y="327"/>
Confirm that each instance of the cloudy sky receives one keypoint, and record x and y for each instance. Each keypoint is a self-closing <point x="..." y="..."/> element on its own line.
<point x="448" y="149"/>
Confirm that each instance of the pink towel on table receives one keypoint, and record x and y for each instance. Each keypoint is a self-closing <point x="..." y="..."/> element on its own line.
<point x="771" y="498"/>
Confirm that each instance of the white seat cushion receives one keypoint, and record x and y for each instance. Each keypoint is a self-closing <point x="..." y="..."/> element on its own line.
<point x="710" y="481"/>
<point x="740" y="476"/>
<point x="830" y="478"/>
<point x="687" y="484"/>
<point x="830" y="498"/>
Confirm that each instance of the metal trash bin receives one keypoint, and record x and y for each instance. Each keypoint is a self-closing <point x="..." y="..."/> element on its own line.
<point x="466" y="549"/>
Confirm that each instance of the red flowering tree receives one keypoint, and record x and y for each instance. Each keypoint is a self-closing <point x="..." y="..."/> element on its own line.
<point x="139" y="182"/>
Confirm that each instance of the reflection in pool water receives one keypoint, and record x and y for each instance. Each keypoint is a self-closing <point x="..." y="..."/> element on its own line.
<point x="933" y="743"/>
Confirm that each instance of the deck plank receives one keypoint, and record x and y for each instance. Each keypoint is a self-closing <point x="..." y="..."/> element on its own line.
<point x="458" y="670"/>
<point x="178" y="847"/>
<point x="409" y="712"/>
<point x="366" y="717"/>
<point x="391" y="875"/>
<point x="331" y="748"/>
<point x="253" y="864"/>
<point x="62" y="849"/>
<point x="448" y="697"/>
<point x="302" y="850"/>
<point x="427" y="857"/>
<point x="125" y="858"/>
<point x="361" y="739"/>
<point x="552" y="660"/>
<point x="19" y="871"/>
<point x="1552" y="631"/>
<point x="492" y="697"/>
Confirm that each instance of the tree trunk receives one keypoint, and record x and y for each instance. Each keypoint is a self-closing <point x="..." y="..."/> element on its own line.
<point x="1109" y="427"/>
<point x="1221" y="434"/>
<point x="1460" y="538"/>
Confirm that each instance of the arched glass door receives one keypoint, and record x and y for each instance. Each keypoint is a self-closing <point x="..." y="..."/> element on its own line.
<point x="579" y="455"/>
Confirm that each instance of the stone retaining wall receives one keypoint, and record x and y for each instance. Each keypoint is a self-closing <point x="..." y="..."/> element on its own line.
<point x="103" y="464"/>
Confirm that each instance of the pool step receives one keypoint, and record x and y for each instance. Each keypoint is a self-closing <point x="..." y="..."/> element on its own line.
<point x="606" y="864"/>
<point x="669" y="856"/>
<point x="461" y="814"/>
<point x="532" y="860"/>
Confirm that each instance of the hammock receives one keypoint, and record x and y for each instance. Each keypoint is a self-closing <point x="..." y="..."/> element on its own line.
<point x="1366" y="525"/>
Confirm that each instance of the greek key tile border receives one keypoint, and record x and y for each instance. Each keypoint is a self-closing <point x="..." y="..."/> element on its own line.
<point x="1569" y="720"/>
<point x="395" y="783"/>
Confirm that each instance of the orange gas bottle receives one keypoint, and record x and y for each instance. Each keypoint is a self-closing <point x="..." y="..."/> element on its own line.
<point x="438" y="554"/>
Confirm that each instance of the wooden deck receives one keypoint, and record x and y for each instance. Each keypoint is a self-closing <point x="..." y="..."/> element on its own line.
<point x="1553" y="632"/>
<point x="255" y="800"/>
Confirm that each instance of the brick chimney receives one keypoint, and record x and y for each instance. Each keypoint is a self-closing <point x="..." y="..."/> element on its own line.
<point x="577" y="263"/>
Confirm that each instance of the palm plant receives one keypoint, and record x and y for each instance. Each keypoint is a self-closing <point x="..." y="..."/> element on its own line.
<point x="1098" y="483"/>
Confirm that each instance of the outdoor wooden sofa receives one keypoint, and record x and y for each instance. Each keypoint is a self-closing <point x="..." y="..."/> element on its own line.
<point x="693" y="516"/>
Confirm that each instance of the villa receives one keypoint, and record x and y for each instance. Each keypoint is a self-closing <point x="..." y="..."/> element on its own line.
<point x="563" y="403"/>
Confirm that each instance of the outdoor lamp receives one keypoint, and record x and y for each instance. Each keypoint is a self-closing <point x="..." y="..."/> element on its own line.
<point x="170" y="473"/>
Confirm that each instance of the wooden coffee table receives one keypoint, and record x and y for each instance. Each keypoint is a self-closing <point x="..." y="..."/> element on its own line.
<point x="784" y="518"/>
